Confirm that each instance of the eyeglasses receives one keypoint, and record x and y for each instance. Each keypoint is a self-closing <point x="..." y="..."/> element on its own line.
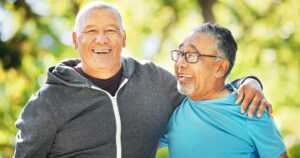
<point x="190" y="57"/>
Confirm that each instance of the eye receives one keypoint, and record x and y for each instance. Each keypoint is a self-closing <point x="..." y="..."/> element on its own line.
<point x="191" y="55"/>
<point x="111" y="30"/>
<point x="91" y="31"/>
<point x="177" y="53"/>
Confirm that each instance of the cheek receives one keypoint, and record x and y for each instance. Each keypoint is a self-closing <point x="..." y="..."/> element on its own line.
<point x="84" y="40"/>
<point x="199" y="74"/>
<point x="175" y="70"/>
<point x="204" y="76"/>
<point x="118" y="42"/>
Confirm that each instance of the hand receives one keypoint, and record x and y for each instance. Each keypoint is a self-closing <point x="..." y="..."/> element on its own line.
<point x="250" y="91"/>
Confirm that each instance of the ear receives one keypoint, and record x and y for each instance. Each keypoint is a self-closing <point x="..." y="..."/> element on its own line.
<point x="124" y="38"/>
<point x="74" y="39"/>
<point x="221" y="67"/>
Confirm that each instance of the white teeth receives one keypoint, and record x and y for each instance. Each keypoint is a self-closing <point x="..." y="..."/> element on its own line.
<point x="100" y="51"/>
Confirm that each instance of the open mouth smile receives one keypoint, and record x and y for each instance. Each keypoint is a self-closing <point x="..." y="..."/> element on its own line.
<point x="184" y="77"/>
<point x="97" y="51"/>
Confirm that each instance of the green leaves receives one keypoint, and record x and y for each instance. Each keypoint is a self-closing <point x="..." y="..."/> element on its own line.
<point x="267" y="34"/>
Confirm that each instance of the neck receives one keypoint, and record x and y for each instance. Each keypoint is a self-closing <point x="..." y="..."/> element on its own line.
<point x="216" y="90"/>
<point x="103" y="73"/>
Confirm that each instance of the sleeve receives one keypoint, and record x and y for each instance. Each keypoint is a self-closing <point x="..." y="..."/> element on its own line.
<point x="238" y="82"/>
<point x="36" y="130"/>
<point x="266" y="137"/>
<point x="169" y="83"/>
<point x="163" y="141"/>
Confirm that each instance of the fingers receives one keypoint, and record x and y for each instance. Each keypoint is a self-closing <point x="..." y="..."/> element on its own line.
<point x="262" y="106"/>
<point x="248" y="95"/>
<point x="254" y="103"/>
<point x="252" y="108"/>
<point x="240" y="95"/>
<point x="270" y="109"/>
<point x="251" y="96"/>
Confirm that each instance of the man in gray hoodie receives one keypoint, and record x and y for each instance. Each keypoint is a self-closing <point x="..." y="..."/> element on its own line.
<point x="104" y="105"/>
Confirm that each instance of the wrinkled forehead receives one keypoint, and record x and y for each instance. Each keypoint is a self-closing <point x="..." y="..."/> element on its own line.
<point x="195" y="39"/>
<point x="83" y="16"/>
<point x="86" y="14"/>
<point x="190" y="41"/>
<point x="112" y="11"/>
<point x="104" y="14"/>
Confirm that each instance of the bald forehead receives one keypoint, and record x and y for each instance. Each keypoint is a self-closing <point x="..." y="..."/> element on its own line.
<point x="110" y="10"/>
<point x="85" y="12"/>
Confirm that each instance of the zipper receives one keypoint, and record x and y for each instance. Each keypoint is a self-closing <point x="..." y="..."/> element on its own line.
<point x="117" y="117"/>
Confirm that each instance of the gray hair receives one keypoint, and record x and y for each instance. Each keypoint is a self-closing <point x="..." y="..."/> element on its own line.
<point x="84" y="12"/>
<point x="225" y="42"/>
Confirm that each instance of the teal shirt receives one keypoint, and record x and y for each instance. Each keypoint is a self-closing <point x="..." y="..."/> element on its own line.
<point x="216" y="128"/>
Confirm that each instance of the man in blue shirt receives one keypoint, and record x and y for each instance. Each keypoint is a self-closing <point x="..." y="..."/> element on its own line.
<point x="208" y="123"/>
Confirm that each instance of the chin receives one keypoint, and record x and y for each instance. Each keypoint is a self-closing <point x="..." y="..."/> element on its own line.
<point x="185" y="89"/>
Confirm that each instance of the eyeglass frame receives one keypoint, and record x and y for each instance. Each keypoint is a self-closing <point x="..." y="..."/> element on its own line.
<point x="184" y="54"/>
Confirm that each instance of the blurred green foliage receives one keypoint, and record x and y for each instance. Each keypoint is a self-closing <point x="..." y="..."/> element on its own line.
<point x="36" y="34"/>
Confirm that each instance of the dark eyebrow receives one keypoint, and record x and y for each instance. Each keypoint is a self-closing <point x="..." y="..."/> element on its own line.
<point x="193" y="46"/>
<point x="180" y="45"/>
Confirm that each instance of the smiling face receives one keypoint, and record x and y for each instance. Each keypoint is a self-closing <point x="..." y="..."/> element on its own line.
<point x="100" y="41"/>
<point x="196" y="79"/>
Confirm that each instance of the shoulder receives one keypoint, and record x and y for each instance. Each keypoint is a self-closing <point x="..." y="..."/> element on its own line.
<point x="264" y="121"/>
<point x="132" y="66"/>
<point x="149" y="65"/>
<point x="264" y="126"/>
<point x="41" y="98"/>
<point x="266" y="136"/>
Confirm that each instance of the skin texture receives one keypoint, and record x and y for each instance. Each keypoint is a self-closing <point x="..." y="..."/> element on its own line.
<point x="254" y="95"/>
<point x="203" y="80"/>
<point x="101" y="33"/>
<point x="199" y="83"/>
<point x="249" y="94"/>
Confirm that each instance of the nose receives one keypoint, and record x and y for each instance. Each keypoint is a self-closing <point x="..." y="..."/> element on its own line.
<point x="181" y="62"/>
<point x="101" y="38"/>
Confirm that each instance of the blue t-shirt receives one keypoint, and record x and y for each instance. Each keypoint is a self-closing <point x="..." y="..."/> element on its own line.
<point x="216" y="128"/>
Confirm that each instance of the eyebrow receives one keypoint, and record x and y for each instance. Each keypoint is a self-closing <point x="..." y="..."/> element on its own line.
<point x="180" y="45"/>
<point x="114" y="26"/>
<point x="88" y="26"/>
<point x="193" y="46"/>
<point x="190" y="45"/>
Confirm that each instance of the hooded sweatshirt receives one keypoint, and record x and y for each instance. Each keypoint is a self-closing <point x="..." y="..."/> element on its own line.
<point x="70" y="117"/>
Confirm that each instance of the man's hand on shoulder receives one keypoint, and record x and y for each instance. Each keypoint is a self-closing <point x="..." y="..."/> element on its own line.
<point x="251" y="95"/>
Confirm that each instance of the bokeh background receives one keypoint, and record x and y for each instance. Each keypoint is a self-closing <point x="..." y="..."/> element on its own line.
<point x="36" y="34"/>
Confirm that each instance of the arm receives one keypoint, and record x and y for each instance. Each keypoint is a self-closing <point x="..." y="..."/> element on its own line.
<point x="251" y="95"/>
<point x="37" y="130"/>
<point x="283" y="155"/>
<point x="265" y="137"/>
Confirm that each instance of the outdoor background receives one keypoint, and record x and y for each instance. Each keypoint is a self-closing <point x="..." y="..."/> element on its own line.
<point x="36" y="34"/>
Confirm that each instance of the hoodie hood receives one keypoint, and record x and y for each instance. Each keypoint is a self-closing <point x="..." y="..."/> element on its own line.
<point x="64" y="72"/>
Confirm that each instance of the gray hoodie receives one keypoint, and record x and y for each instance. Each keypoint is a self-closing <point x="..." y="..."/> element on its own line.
<point x="71" y="117"/>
